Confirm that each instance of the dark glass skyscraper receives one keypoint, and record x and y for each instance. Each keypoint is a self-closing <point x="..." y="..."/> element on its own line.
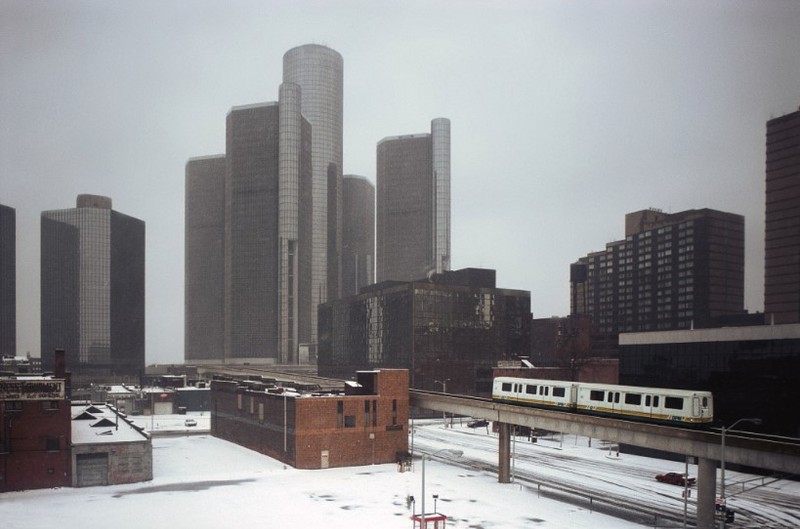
<point x="318" y="71"/>
<point x="8" y="281"/>
<point x="204" y="293"/>
<point x="358" y="234"/>
<point x="782" y="241"/>
<point x="92" y="291"/>
<point x="413" y="204"/>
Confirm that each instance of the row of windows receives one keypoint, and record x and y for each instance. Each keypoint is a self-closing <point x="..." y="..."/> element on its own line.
<point x="636" y="399"/>
<point x="19" y="405"/>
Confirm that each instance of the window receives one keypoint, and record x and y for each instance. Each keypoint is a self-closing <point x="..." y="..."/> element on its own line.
<point x="673" y="403"/>
<point x="52" y="444"/>
<point x="544" y="390"/>
<point x="374" y="413"/>
<point x="366" y="413"/>
<point x="50" y="405"/>
<point x="634" y="399"/>
<point x="530" y="390"/>
<point x="559" y="391"/>
<point x="597" y="395"/>
<point x="349" y="421"/>
<point x="239" y="401"/>
<point x="339" y="414"/>
<point x="14" y="405"/>
<point x="507" y="386"/>
<point x="613" y="397"/>
<point x="394" y="411"/>
<point x="261" y="411"/>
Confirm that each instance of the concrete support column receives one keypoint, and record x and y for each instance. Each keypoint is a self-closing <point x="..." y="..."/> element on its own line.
<point x="706" y="492"/>
<point x="504" y="454"/>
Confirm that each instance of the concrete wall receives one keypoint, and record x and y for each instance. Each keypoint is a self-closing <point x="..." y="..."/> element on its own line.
<point x="128" y="462"/>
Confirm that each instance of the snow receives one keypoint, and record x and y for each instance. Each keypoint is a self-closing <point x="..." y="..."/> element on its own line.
<point x="202" y="482"/>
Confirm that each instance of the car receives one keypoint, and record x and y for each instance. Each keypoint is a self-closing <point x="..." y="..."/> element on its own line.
<point x="676" y="478"/>
<point x="190" y="422"/>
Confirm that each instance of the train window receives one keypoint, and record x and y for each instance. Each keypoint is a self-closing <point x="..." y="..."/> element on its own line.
<point x="506" y="386"/>
<point x="616" y="397"/>
<point x="613" y="397"/>
<point x="546" y="391"/>
<point x="559" y="392"/>
<point x="647" y="401"/>
<point x="597" y="394"/>
<point x="634" y="399"/>
<point x="674" y="403"/>
<point x="530" y="390"/>
<point x="655" y="401"/>
<point x="705" y="402"/>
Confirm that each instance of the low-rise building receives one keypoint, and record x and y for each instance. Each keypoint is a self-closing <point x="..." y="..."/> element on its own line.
<point x="35" y="430"/>
<point x="108" y="448"/>
<point x="364" y="423"/>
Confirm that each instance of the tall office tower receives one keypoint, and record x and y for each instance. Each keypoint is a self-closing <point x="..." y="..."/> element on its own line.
<point x="672" y="271"/>
<point x="92" y="291"/>
<point x="358" y="234"/>
<point x="413" y="204"/>
<point x="8" y="281"/>
<point x="318" y="70"/>
<point x="782" y="242"/>
<point x="267" y="276"/>
<point x="204" y="265"/>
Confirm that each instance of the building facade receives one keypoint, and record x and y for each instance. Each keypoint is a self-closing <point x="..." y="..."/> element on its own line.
<point x="413" y="204"/>
<point x="449" y="330"/>
<point x="672" y="271"/>
<point x="751" y="370"/>
<point x="92" y="290"/>
<point x="782" y="242"/>
<point x="319" y="73"/>
<point x="268" y="239"/>
<point x="8" y="281"/>
<point x="35" y="433"/>
<point x="364" y="423"/>
<point x="204" y="265"/>
<point x="358" y="234"/>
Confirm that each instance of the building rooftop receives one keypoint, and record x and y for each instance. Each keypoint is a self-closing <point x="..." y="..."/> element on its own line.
<point x="101" y="424"/>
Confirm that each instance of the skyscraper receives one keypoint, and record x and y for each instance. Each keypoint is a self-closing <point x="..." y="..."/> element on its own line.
<point x="318" y="71"/>
<point x="413" y="204"/>
<point x="358" y="234"/>
<point x="8" y="281"/>
<point x="267" y="270"/>
<point x="204" y="266"/>
<point x="92" y="291"/>
<point x="672" y="271"/>
<point x="782" y="241"/>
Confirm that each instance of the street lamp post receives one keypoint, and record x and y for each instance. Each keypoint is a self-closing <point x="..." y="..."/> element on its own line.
<point x="451" y="452"/>
<point x="753" y="420"/>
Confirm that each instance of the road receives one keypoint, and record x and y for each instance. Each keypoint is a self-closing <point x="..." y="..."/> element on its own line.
<point x="619" y="484"/>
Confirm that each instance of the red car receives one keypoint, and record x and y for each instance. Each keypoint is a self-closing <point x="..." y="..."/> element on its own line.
<point x="674" y="478"/>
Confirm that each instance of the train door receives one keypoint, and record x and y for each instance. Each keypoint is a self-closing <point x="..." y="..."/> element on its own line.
<point x="612" y="400"/>
<point x="700" y="407"/>
<point x="651" y="403"/>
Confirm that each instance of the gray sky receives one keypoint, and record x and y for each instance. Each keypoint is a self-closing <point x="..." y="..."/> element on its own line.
<point x="565" y="116"/>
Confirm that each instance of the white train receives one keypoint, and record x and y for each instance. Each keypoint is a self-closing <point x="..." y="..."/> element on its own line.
<point x="668" y="406"/>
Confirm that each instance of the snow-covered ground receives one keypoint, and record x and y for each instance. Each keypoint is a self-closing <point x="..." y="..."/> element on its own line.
<point x="200" y="481"/>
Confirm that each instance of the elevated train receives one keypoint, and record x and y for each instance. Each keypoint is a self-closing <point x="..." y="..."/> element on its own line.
<point x="657" y="405"/>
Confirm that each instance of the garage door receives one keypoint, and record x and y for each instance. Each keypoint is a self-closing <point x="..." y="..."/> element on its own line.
<point x="92" y="469"/>
<point x="162" y="408"/>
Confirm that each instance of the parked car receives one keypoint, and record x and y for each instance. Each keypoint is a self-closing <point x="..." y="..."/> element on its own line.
<point x="675" y="478"/>
<point x="190" y="422"/>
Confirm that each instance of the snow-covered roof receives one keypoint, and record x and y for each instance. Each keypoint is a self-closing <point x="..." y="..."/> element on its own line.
<point x="99" y="424"/>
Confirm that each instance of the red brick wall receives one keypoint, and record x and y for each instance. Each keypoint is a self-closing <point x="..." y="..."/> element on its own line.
<point x="313" y="424"/>
<point x="25" y="462"/>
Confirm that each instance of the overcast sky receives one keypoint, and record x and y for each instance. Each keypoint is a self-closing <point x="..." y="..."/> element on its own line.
<point x="565" y="117"/>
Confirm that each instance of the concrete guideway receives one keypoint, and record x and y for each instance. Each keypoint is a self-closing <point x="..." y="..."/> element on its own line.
<point x="780" y="456"/>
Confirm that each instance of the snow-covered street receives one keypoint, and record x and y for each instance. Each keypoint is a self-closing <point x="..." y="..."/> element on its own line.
<point x="200" y="481"/>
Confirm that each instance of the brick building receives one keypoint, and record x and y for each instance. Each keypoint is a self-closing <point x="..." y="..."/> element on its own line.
<point x="364" y="423"/>
<point x="35" y="431"/>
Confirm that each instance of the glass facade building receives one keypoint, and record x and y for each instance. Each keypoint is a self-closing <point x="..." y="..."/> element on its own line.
<point x="413" y="204"/>
<point x="358" y="234"/>
<point x="449" y="330"/>
<point x="752" y="371"/>
<point x="204" y="265"/>
<point x="672" y="271"/>
<point x="782" y="241"/>
<point x="92" y="290"/>
<point x="318" y="71"/>
<point x="8" y="281"/>
<point x="267" y="269"/>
